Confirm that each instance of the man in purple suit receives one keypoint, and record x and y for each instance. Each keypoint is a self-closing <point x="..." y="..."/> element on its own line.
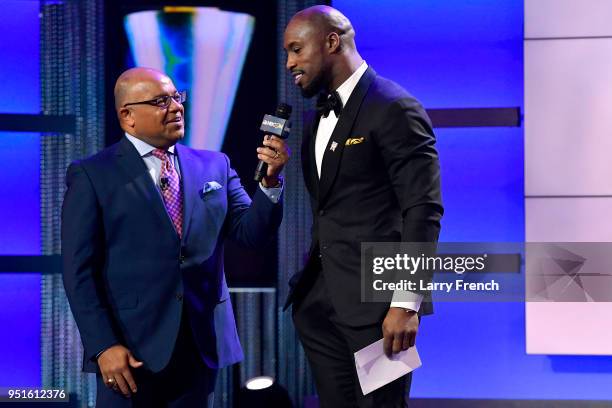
<point x="143" y="227"/>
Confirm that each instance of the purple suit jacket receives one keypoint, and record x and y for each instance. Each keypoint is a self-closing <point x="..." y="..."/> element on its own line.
<point x="129" y="277"/>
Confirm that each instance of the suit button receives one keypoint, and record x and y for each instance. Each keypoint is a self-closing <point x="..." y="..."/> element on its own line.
<point x="179" y="297"/>
<point x="320" y="256"/>
<point x="182" y="259"/>
<point x="321" y="212"/>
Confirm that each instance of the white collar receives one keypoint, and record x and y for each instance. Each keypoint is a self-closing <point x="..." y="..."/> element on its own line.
<point x="346" y="89"/>
<point x="143" y="147"/>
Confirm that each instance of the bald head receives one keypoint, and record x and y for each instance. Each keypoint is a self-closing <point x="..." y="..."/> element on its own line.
<point x="321" y="52"/>
<point x="135" y="82"/>
<point x="325" y="20"/>
<point x="158" y="124"/>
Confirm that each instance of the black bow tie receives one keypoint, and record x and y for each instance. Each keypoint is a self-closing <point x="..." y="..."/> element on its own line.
<point x="328" y="102"/>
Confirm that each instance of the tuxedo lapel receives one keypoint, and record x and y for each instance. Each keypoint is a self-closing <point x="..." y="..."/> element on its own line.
<point x="132" y="164"/>
<point x="309" y="168"/>
<point x="335" y="147"/>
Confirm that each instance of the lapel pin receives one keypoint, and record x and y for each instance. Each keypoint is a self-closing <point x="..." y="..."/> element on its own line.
<point x="333" y="146"/>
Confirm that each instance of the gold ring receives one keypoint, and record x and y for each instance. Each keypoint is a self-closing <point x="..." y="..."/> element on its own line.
<point x="110" y="380"/>
<point x="276" y="155"/>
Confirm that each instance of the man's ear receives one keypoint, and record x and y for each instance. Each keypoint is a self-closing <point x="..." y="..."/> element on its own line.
<point x="334" y="43"/>
<point x="126" y="118"/>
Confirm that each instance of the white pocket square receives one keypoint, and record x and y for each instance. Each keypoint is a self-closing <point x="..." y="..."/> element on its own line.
<point x="211" y="186"/>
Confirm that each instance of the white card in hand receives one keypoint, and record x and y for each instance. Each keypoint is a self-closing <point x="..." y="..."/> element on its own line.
<point x="375" y="369"/>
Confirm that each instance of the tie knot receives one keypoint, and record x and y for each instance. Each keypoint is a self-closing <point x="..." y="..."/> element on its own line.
<point x="160" y="154"/>
<point x="329" y="102"/>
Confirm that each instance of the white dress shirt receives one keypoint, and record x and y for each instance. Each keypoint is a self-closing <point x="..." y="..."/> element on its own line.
<point x="327" y="125"/>
<point x="154" y="166"/>
<point x="403" y="299"/>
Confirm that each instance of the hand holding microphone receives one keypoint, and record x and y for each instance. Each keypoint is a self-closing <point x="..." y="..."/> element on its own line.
<point x="275" y="153"/>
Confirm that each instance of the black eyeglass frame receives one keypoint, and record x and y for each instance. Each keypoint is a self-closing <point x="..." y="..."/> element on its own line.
<point x="164" y="99"/>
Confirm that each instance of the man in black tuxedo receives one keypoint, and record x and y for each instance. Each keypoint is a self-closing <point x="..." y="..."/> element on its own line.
<point x="372" y="171"/>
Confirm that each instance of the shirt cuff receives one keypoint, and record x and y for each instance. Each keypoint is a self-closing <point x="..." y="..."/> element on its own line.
<point x="273" y="193"/>
<point x="406" y="300"/>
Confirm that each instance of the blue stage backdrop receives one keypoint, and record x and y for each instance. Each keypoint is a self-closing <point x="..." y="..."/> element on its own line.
<point x="448" y="54"/>
<point x="19" y="195"/>
<point x="462" y="54"/>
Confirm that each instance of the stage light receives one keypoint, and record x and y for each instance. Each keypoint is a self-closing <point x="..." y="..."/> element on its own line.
<point x="260" y="392"/>
<point x="259" y="383"/>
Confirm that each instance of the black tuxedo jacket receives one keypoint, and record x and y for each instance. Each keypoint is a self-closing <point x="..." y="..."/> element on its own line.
<point x="129" y="277"/>
<point x="381" y="182"/>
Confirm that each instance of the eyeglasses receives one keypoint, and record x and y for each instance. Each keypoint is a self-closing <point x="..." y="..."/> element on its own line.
<point x="163" y="101"/>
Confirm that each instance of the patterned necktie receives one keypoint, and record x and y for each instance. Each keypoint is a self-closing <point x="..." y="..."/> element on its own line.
<point x="171" y="189"/>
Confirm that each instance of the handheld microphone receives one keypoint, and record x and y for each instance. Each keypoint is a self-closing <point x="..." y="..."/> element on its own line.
<point x="277" y="125"/>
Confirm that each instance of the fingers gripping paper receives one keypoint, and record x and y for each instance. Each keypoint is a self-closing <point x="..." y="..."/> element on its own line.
<point x="375" y="369"/>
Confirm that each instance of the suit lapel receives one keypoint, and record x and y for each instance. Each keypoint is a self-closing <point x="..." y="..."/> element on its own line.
<point x="133" y="165"/>
<point x="309" y="168"/>
<point x="335" y="147"/>
<point x="190" y="174"/>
